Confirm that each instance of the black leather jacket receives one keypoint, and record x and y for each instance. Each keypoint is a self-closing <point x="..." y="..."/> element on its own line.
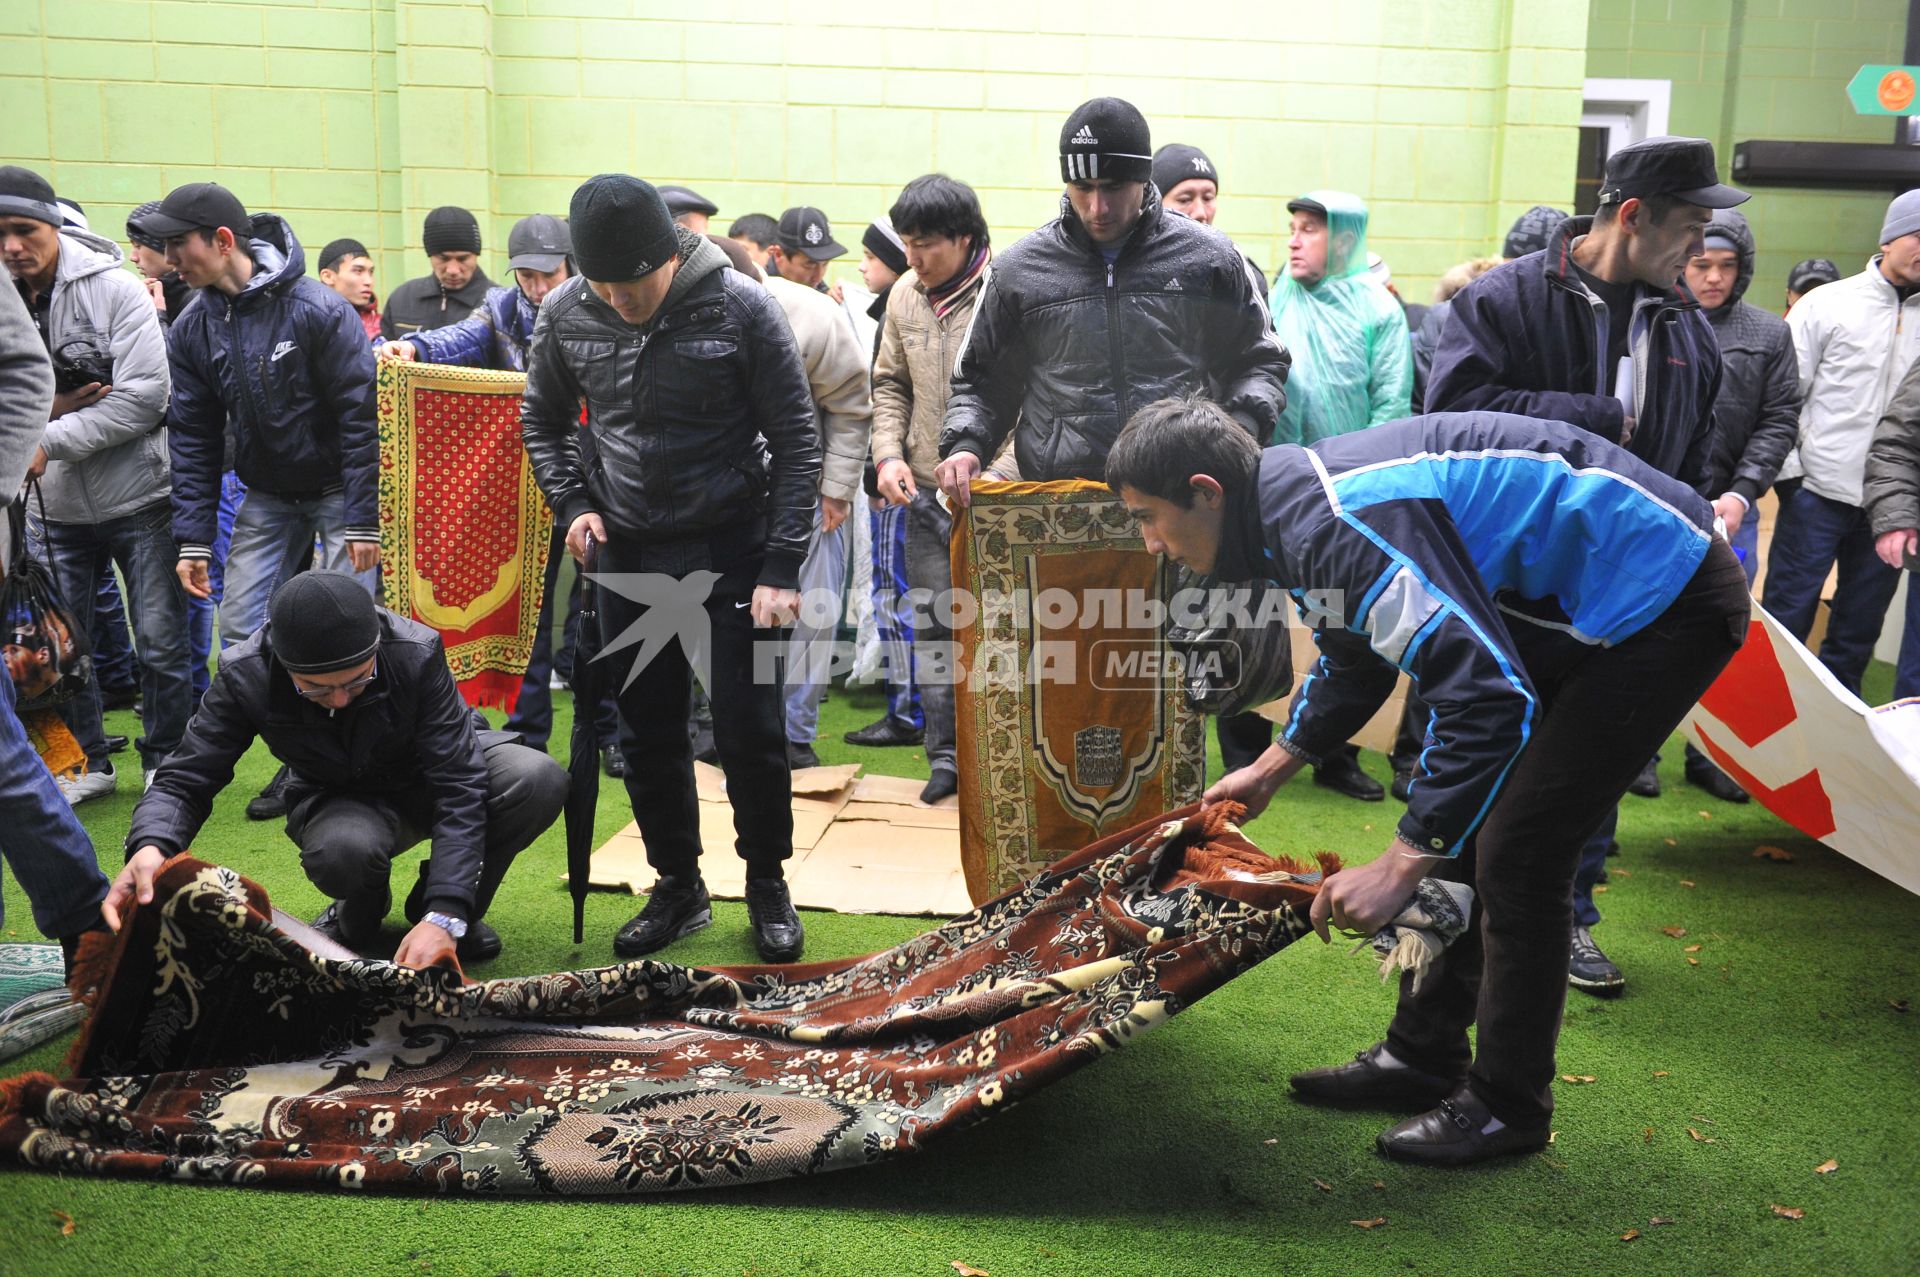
<point x="409" y="729"/>
<point x="1071" y="346"/>
<point x="698" y="423"/>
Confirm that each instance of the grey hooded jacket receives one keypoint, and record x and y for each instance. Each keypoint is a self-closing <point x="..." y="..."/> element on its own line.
<point x="26" y="392"/>
<point x="1756" y="415"/>
<point x="108" y="459"/>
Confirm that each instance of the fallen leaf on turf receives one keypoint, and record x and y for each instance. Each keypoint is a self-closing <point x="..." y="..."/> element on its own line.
<point x="1686" y="882"/>
<point x="1647" y="1138"/>
<point x="1693" y="962"/>
<point x="1623" y="873"/>
<point x="1693" y="948"/>
<point x="1578" y="1078"/>
<point x="1659" y="1221"/>
<point x="1320" y="1184"/>
<point x="1660" y="1073"/>
<point x="1765" y="852"/>
<point x="1789" y="1212"/>
<point x="1671" y="842"/>
<point x="1270" y="1141"/>
<point x="1599" y="891"/>
<point x="1380" y="1184"/>
<point x="1553" y="1137"/>
<point x="1702" y="1119"/>
<point x="1900" y="1004"/>
<point x="66" y="1223"/>
<point x="1827" y="1167"/>
<point x="1629" y="1235"/>
<point x="1675" y="932"/>
<point x="965" y="1269"/>
<point x="1378" y="1220"/>
<point x="1698" y="1138"/>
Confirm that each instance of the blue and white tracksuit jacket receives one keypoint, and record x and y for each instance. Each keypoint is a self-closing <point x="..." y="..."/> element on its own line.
<point x="1420" y="544"/>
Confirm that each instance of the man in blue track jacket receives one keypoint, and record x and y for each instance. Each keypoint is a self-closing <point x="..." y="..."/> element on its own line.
<point x="1559" y="604"/>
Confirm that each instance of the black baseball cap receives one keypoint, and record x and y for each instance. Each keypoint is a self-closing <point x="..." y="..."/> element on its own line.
<point x="805" y="230"/>
<point x="1678" y="167"/>
<point x="540" y="242"/>
<point x="684" y="199"/>
<point x="198" y="206"/>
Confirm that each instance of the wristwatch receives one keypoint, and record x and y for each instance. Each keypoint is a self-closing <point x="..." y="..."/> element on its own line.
<point x="447" y="923"/>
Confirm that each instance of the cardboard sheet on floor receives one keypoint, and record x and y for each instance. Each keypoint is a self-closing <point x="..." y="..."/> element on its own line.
<point x="862" y="844"/>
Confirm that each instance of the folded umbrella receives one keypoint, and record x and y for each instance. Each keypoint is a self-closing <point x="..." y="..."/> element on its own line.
<point x="583" y="755"/>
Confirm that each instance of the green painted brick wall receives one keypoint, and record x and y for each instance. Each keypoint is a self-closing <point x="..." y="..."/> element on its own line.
<point x="1747" y="69"/>
<point x="356" y="116"/>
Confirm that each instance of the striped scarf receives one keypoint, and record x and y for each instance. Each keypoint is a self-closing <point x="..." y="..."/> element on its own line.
<point x="945" y="296"/>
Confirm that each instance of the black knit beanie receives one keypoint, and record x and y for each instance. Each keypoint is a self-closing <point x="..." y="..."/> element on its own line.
<point x="322" y="622"/>
<point x="621" y="229"/>
<point x="24" y="193"/>
<point x="1176" y="162"/>
<point x="884" y="242"/>
<point x="339" y="248"/>
<point x="1531" y="231"/>
<point x="1106" y="138"/>
<point x="450" y="229"/>
<point x="136" y="235"/>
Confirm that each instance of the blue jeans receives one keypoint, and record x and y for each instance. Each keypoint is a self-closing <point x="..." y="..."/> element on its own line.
<point x="892" y="617"/>
<point x="272" y="538"/>
<point x="142" y="545"/>
<point x="1812" y="534"/>
<point x="114" y="664"/>
<point x="45" y="845"/>
<point x="200" y="611"/>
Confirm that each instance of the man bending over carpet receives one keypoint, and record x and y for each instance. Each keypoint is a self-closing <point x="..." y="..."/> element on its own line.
<point x="1560" y="605"/>
<point x="382" y="754"/>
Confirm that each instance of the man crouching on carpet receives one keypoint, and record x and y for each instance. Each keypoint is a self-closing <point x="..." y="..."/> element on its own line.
<point x="1561" y="606"/>
<point x="382" y="753"/>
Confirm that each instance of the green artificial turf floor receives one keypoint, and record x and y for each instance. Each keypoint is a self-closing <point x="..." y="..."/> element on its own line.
<point x="1716" y="1090"/>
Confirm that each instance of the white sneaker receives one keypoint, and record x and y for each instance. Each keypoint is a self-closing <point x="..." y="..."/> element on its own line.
<point x="80" y="789"/>
<point x="556" y="684"/>
<point x="146" y="782"/>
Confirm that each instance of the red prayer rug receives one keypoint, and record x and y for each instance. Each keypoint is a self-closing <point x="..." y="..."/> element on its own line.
<point x="221" y="1050"/>
<point x="1069" y="717"/>
<point x="464" y="530"/>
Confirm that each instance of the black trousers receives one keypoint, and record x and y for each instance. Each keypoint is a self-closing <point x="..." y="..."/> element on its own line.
<point x="748" y="730"/>
<point x="1603" y="711"/>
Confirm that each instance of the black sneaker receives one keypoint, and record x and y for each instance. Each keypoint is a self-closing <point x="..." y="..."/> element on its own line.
<point x="800" y="757"/>
<point x="613" y="762"/>
<point x="1341" y="773"/>
<point x="1704" y="775"/>
<point x="479" y="944"/>
<point x="886" y="730"/>
<point x="1402" y="787"/>
<point x="1591" y="970"/>
<point x="116" y="743"/>
<point x="271" y="802"/>
<point x="777" y="932"/>
<point x="944" y="783"/>
<point x="1647" y="783"/>
<point x="676" y="907"/>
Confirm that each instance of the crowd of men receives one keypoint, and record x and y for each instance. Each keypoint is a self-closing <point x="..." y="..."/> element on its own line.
<point x="203" y="433"/>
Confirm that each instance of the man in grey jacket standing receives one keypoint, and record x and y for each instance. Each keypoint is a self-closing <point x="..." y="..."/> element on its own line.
<point x="103" y="462"/>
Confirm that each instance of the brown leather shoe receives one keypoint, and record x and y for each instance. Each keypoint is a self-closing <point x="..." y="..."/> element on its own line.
<point x="1456" y="1133"/>
<point x="1364" y="1080"/>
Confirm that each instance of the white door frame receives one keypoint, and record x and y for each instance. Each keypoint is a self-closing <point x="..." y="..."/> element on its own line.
<point x="1630" y="110"/>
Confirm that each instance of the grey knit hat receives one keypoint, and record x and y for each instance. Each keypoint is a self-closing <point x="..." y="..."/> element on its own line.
<point x="1903" y="217"/>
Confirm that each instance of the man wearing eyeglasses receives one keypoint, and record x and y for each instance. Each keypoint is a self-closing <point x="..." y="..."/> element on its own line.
<point x="382" y="754"/>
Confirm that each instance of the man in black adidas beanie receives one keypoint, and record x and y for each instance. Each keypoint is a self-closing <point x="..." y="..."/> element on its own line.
<point x="1166" y="307"/>
<point x="383" y="754"/>
<point x="695" y="516"/>
<point x="455" y="289"/>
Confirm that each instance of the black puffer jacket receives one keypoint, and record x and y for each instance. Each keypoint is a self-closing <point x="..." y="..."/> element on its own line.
<point x="1071" y="347"/>
<point x="410" y="729"/>
<point x="698" y="423"/>
<point x="1523" y="338"/>
<point x="286" y="366"/>
<point x="1756" y="415"/>
<point x="420" y="305"/>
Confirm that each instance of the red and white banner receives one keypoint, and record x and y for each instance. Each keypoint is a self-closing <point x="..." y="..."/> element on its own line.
<point x="1816" y="755"/>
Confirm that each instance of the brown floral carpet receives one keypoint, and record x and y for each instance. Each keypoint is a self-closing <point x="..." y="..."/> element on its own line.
<point x="222" y="1050"/>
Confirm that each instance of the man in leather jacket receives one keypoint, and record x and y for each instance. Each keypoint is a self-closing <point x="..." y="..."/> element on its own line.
<point x="1111" y="306"/>
<point x="382" y="753"/>
<point x="695" y="489"/>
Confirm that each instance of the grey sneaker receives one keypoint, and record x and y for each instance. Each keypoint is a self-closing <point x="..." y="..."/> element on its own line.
<point x="1592" y="971"/>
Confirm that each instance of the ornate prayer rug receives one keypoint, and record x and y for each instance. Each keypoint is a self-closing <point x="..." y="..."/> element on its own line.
<point x="54" y="741"/>
<point x="221" y="1050"/>
<point x="34" y="1003"/>
<point x="1070" y="719"/>
<point x="464" y="531"/>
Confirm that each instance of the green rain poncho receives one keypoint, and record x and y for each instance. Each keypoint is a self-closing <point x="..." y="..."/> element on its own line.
<point x="1352" y="357"/>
